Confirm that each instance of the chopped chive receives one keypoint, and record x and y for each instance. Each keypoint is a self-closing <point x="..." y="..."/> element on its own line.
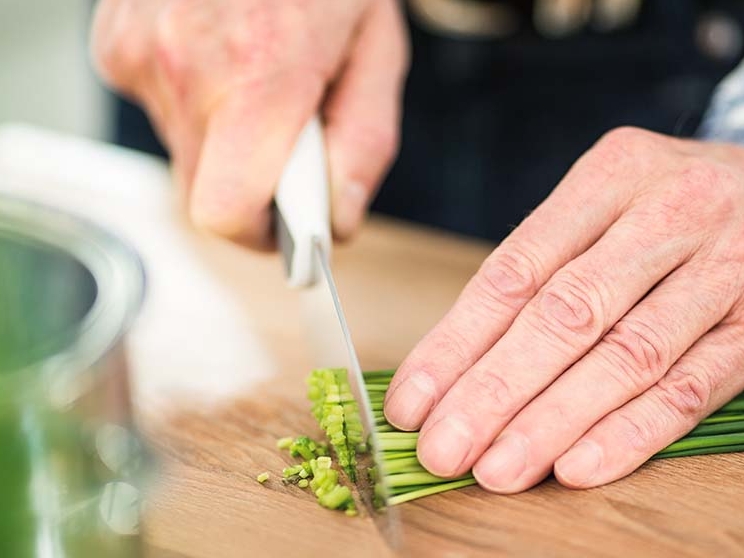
<point x="284" y="443"/>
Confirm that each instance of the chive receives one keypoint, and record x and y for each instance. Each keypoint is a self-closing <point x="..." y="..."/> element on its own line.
<point x="284" y="443"/>
<point x="405" y="479"/>
<point x="735" y="405"/>
<point x="376" y="387"/>
<point x="718" y="428"/>
<point x="388" y="444"/>
<point x="405" y="465"/>
<point x="384" y="428"/>
<point x="400" y="436"/>
<point x="371" y="375"/>
<point x="700" y="451"/>
<point x="700" y="442"/>
<point x="336" y="498"/>
<point x="393" y="455"/>
<point x="434" y="489"/>
<point x="723" y="417"/>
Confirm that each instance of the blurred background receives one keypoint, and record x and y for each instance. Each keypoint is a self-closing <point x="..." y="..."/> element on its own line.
<point x="45" y="76"/>
<point x="503" y="94"/>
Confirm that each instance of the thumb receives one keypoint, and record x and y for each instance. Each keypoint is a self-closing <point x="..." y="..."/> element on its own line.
<point x="362" y="115"/>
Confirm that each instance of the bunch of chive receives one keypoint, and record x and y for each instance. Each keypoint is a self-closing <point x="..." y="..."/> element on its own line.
<point x="407" y="479"/>
<point x="722" y="432"/>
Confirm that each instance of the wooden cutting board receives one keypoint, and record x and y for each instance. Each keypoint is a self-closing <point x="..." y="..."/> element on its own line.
<point x="219" y="356"/>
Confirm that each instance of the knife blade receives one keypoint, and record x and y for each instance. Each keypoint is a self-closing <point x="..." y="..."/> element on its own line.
<point x="303" y="232"/>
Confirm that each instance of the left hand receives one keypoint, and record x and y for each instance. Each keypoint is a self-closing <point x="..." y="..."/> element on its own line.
<point x="606" y="326"/>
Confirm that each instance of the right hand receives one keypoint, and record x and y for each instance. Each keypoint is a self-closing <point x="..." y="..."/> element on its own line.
<point x="229" y="84"/>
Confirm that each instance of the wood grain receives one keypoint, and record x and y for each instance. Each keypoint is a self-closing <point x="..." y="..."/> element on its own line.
<point x="396" y="282"/>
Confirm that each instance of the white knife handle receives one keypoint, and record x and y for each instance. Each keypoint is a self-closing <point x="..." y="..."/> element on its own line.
<point x="303" y="205"/>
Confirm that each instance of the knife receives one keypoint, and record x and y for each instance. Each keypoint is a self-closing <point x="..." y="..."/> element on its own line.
<point x="303" y="232"/>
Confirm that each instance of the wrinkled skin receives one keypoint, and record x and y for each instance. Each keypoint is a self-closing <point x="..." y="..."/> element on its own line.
<point x="606" y="326"/>
<point x="229" y="84"/>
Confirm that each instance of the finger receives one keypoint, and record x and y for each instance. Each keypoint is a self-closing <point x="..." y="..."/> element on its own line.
<point x="363" y="115"/>
<point x="632" y="357"/>
<point x="703" y="380"/>
<point x="247" y="141"/>
<point x="567" y="317"/>
<point x="588" y="200"/>
<point x="120" y="43"/>
<point x="185" y="148"/>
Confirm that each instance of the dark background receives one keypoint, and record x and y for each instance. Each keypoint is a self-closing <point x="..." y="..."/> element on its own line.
<point x="491" y="125"/>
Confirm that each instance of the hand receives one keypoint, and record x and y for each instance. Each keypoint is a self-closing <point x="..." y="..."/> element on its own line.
<point x="606" y="326"/>
<point x="229" y="84"/>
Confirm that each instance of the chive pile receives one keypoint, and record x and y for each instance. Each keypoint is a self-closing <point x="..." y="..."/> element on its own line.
<point x="336" y="411"/>
<point x="315" y="472"/>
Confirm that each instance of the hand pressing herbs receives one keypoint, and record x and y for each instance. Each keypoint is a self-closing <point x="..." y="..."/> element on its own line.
<point x="335" y="409"/>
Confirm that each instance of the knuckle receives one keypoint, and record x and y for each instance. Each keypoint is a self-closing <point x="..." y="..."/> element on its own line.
<point x="492" y="389"/>
<point x="637" y="354"/>
<point x="639" y="434"/>
<point x="380" y="140"/>
<point x="255" y="40"/>
<point x="169" y="26"/>
<point x="621" y="144"/>
<point x="619" y="148"/>
<point x="713" y="186"/>
<point x="119" y="46"/>
<point x="703" y="193"/>
<point x="508" y="277"/>
<point x="698" y="180"/>
<point x="451" y="350"/>
<point x="569" y="306"/>
<point x="686" y="394"/>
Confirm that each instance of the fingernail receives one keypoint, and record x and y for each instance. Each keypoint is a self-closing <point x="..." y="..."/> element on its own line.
<point x="580" y="464"/>
<point x="444" y="447"/>
<point x="503" y="464"/>
<point x="410" y="402"/>
<point x="350" y="208"/>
